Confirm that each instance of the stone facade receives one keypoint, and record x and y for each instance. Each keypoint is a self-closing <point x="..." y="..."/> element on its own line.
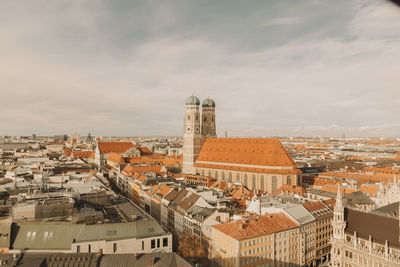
<point x="363" y="239"/>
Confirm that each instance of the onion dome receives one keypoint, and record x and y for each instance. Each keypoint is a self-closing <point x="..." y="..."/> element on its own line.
<point x="192" y="100"/>
<point x="208" y="103"/>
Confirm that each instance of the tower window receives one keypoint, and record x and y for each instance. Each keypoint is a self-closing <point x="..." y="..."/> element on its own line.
<point x="205" y="118"/>
<point x="188" y="129"/>
<point x="188" y="117"/>
<point x="197" y="117"/>
<point x="212" y="118"/>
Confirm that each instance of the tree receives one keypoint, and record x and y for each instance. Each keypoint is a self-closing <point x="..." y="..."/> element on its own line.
<point x="189" y="247"/>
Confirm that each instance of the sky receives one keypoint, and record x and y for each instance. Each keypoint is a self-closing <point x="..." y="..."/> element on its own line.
<point x="274" y="68"/>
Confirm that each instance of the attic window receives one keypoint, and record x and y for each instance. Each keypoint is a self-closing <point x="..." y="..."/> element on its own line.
<point x="151" y="230"/>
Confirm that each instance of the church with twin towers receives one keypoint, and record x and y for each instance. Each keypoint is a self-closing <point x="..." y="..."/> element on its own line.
<point x="257" y="163"/>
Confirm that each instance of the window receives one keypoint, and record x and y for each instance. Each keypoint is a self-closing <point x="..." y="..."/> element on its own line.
<point x="289" y="180"/>
<point x="274" y="183"/>
<point x="142" y="245"/>
<point x="253" y="181"/>
<point x="78" y="249"/>
<point x="205" y="118"/>
<point x="230" y="177"/>
<point x="245" y="179"/>
<point x="188" y="117"/>
<point x="115" y="247"/>
<point x="262" y="182"/>
<point x="153" y="243"/>
<point x="223" y="176"/>
<point x="158" y="242"/>
<point x="237" y="177"/>
<point x="165" y="242"/>
<point x="89" y="248"/>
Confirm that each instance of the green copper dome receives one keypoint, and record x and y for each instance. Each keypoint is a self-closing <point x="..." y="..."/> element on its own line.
<point x="192" y="100"/>
<point x="208" y="103"/>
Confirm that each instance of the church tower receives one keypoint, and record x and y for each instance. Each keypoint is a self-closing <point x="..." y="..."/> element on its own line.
<point x="192" y="138"/>
<point x="338" y="217"/>
<point x="338" y="224"/>
<point x="208" y="126"/>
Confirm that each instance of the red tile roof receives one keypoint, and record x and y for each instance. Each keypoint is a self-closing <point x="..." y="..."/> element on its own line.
<point x="82" y="154"/>
<point x="262" y="225"/>
<point x="115" y="158"/>
<point x="116" y="147"/>
<point x="248" y="151"/>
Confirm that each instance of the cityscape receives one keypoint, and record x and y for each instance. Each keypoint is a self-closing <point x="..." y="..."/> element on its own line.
<point x="221" y="134"/>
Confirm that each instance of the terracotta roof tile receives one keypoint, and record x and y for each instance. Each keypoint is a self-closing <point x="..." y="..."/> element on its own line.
<point x="248" y="151"/>
<point x="262" y="225"/>
<point x="116" y="147"/>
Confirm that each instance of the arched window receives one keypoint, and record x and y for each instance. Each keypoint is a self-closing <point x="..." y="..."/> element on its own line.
<point x="289" y="180"/>
<point x="274" y="184"/>
<point x="230" y="177"/>
<point x="202" y="172"/>
<point x="223" y="175"/>
<point x="209" y="173"/>
<point x="216" y="175"/>
<point x="245" y="179"/>
<point x="262" y="182"/>
<point x="237" y="177"/>
<point x="253" y="181"/>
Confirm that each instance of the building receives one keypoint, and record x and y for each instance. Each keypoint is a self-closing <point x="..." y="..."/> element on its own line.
<point x="364" y="239"/>
<point x="258" y="163"/>
<point x="323" y="229"/>
<point x="103" y="150"/>
<point x="262" y="240"/>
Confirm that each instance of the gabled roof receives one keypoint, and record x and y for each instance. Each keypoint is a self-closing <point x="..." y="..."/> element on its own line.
<point x="116" y="147"/>
<point x="266" y="152"/>
<point x="262" y="225"/>
<point x="379" y="227"/>
<point x="115" y="158"/>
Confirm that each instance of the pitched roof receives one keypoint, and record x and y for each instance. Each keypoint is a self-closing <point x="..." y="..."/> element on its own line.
<point x="116" y="147"/>
<point x="129" y="170"/>
<point x="371" y="224"/>
<point x="263" y="224"/>
<point x="116" y="158"/>
<point x="82" y="154"/>
<point x="266" y="152"/>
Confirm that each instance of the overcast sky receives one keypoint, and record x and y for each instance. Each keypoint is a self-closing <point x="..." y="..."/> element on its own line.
<point x="287" y="68"/>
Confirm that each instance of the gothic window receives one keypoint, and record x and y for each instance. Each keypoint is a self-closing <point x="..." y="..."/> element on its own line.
<point x="289" y="180"/>
<point x="262" y="182"/>
<point x="274" y="183"/>
<point x="245" y="179"/>
<point x="253" y="181"/>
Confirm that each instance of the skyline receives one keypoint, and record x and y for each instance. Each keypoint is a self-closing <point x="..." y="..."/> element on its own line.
<point x="274" y="69"/>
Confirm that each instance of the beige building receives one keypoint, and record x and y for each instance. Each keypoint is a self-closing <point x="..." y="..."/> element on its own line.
<point x="364" y="239"/>
<point x="259" y="163"/>
<point x="262" y="240"/>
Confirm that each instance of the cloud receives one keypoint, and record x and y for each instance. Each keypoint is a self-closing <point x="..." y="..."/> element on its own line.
<point x="126" y="68"/>
<point x="282" y="21"/>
